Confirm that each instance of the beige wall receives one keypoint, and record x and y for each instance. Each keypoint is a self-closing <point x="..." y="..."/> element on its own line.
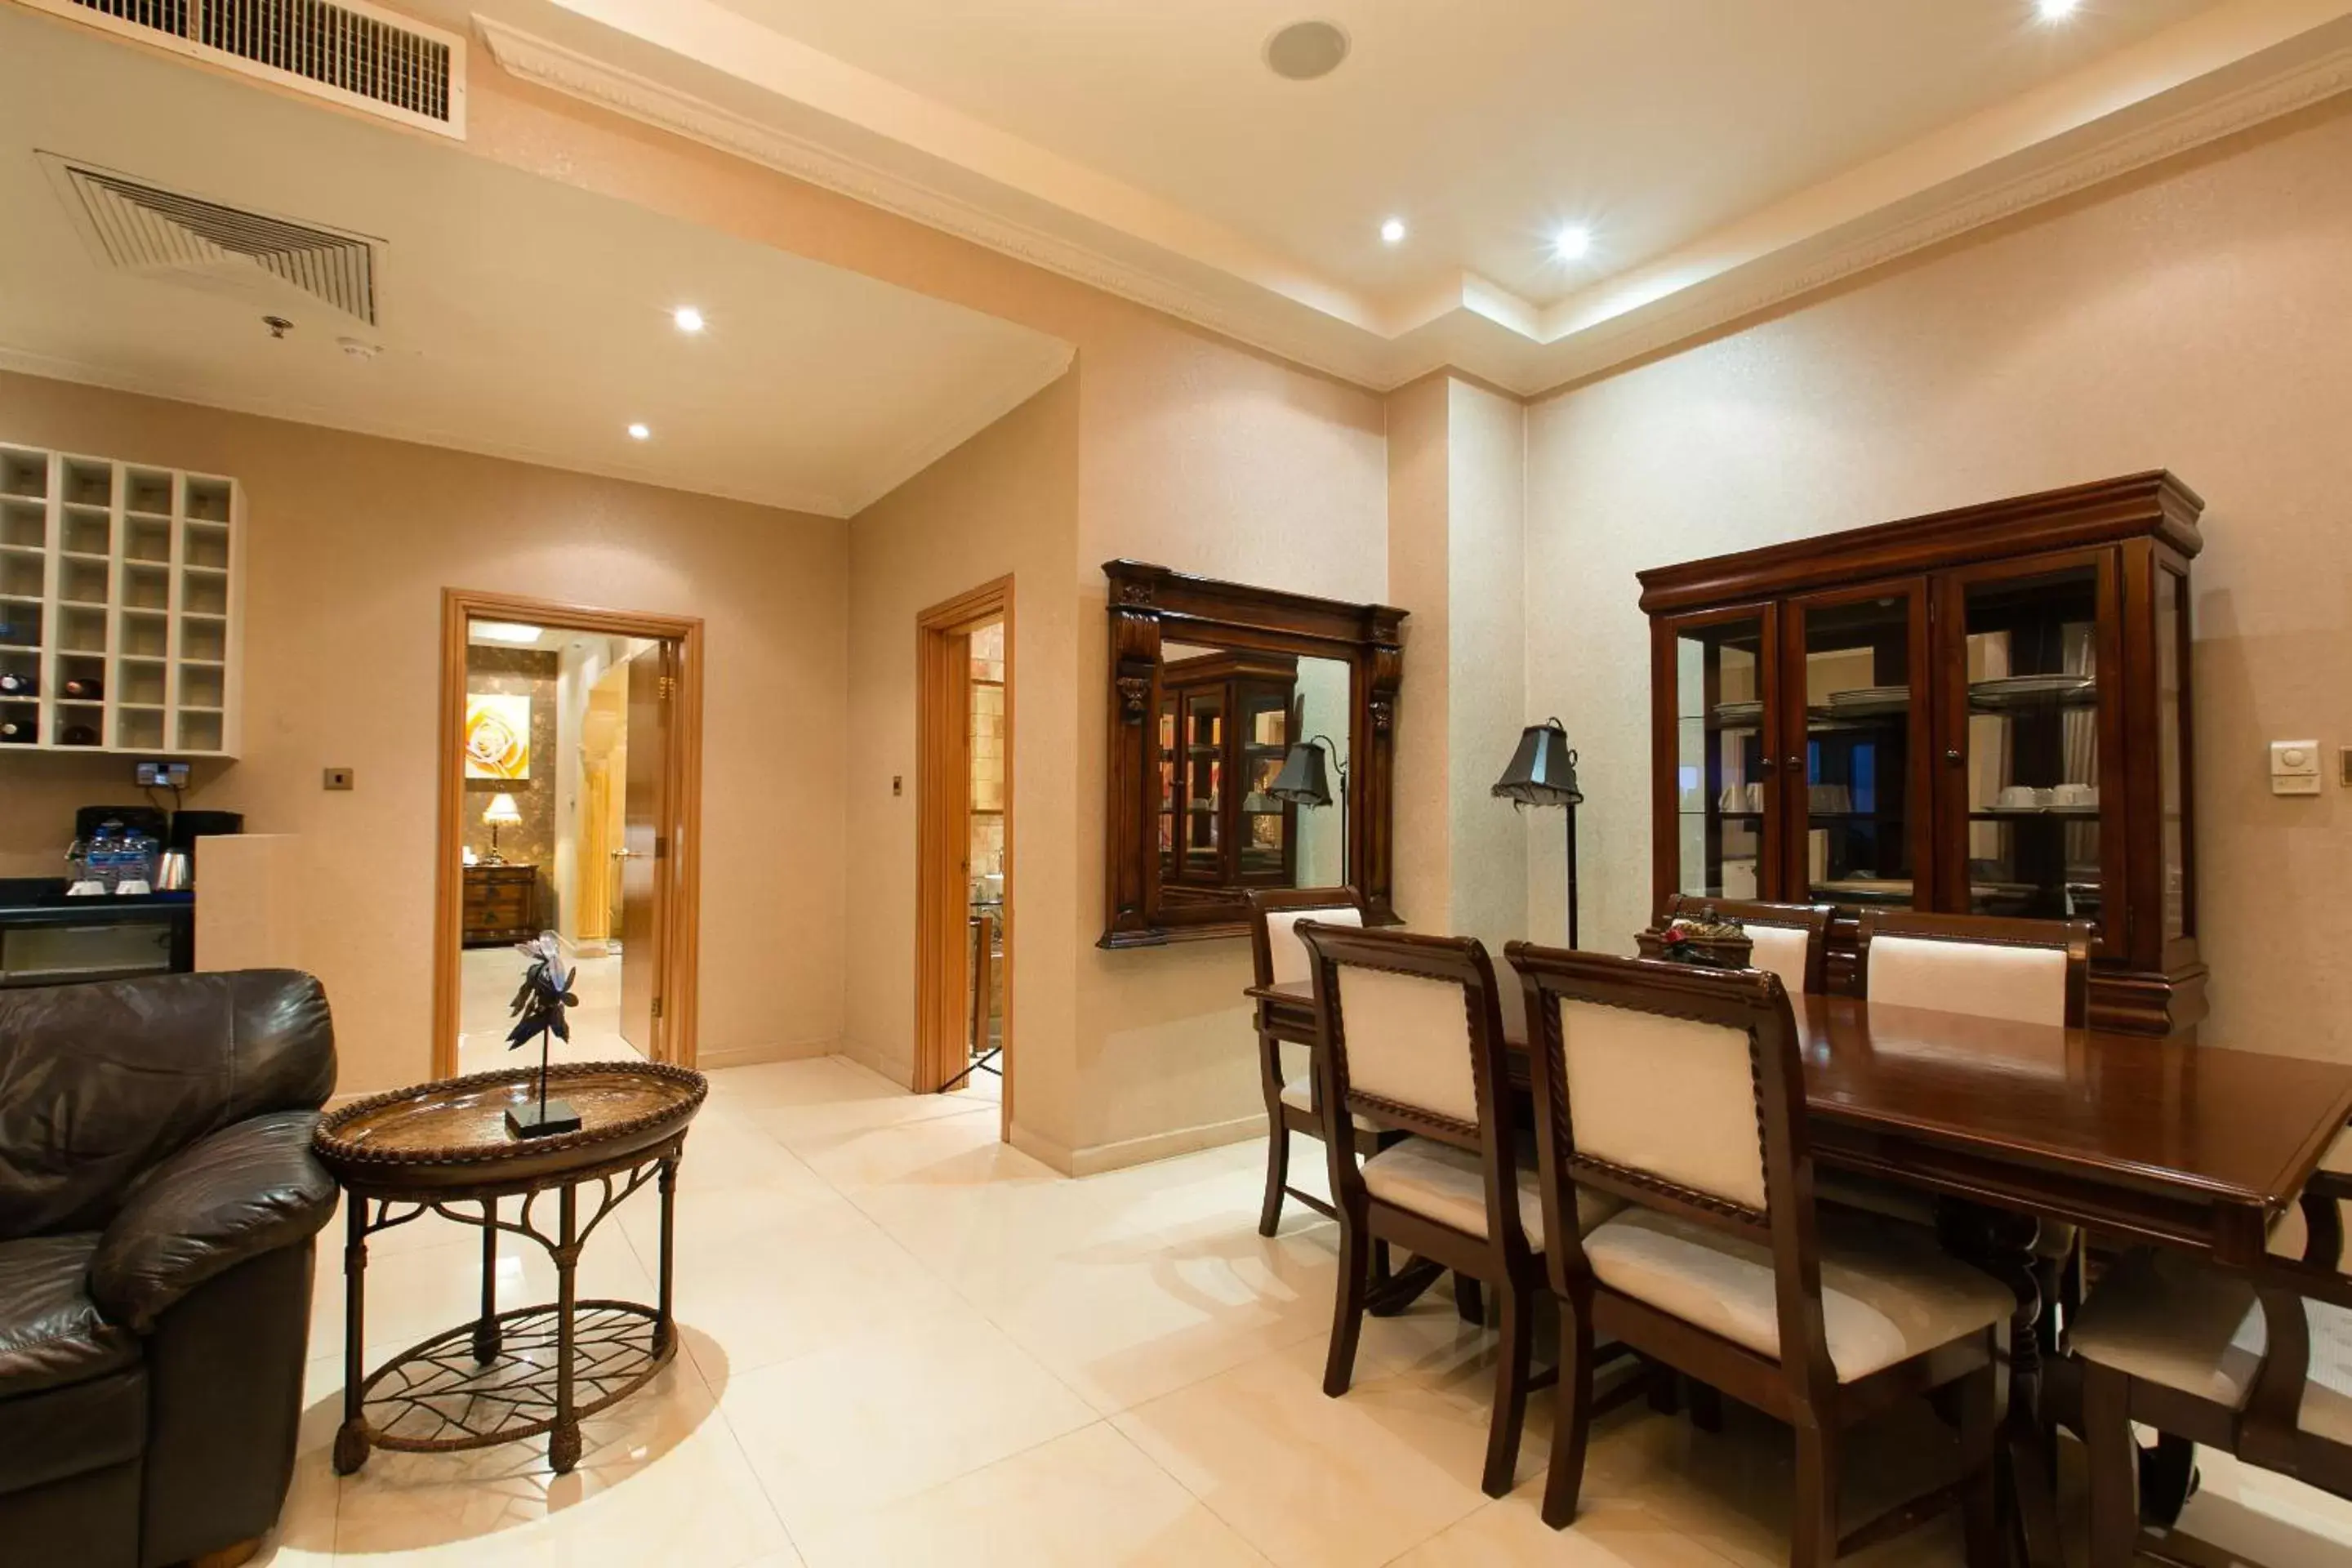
<point x="1419" y="431"/>
<point x="1004" y="502"/>
<point x="2199" y="318"/>
<point x="353" y="541"/>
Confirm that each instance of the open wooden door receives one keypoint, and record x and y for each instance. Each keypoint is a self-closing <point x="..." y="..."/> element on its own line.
<point x="652" y="678"/>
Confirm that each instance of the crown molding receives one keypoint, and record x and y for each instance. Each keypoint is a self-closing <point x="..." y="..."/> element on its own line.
<point x="1473" y="324"/>
<point x="626" y="92"/>
<point x="2131" y="139"/>
<point x="112" y="379"/>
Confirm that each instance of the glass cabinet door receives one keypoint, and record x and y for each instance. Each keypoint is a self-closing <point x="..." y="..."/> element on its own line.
<point x="1857" y="780"/>
<point x="1204" y="779"/>
<point x="1719" y="730"/>
<point x="2027" y="749"/>
<point x="1263" y="838"/>
<point x="2175" y="873"/>
<point x="1169" y="801"/>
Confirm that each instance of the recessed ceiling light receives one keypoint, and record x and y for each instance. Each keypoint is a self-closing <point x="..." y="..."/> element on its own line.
<point x="641" y="433"/>
<point x="1306" y="50"/>
<point x="687" y="318"/>
<point x="1393" y="231"/>
<point x="1571" y="242"/>
<point x="2055" y="10"/>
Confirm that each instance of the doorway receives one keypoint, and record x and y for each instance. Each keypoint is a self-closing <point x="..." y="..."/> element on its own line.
<point x="570" y="785"/>
<point x="963" y="846"/>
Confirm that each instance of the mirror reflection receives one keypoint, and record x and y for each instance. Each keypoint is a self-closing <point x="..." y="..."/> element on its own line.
<point x="1253" y="752"/>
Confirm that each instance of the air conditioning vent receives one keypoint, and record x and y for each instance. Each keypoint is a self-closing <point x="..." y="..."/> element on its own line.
<point x="348" y="53"/>
<point x="174" y="238"/>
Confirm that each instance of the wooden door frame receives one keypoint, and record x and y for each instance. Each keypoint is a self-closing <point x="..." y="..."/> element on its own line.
<point x="679" y="940"/>
<point x="942" y="822"/>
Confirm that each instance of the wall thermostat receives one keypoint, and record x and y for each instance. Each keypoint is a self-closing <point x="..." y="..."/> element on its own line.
<point x="2294" y="767"/>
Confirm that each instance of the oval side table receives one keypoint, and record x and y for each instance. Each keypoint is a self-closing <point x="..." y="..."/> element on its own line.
<point x="443" y="1148"/>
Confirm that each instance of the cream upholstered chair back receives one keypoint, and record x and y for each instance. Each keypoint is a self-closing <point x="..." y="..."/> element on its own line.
<point x="1279" y="957"/>
<point x="1783" y="950"/>
<point x="1673" y="1098"/>
<point x="2024" y="972"/>
<point x="1670" y="1085"/>
<point x="1288" y="953"/>
<point x="1411" y="1030"/>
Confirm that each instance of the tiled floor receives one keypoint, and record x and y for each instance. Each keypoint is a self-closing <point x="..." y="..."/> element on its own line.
<point x="908" y="1344"/>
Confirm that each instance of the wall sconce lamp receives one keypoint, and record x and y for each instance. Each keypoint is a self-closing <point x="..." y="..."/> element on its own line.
<point x="1305" y="780"/>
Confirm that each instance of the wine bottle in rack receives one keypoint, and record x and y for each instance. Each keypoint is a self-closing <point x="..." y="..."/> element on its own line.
<point x="15" y="684"/>
<point x="83" y="687"/>
<point x="16" y="732"/>
<point x="78" y="735"/>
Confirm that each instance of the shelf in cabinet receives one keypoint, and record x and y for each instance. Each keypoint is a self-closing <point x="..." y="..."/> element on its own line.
<point x="195" y="708"/>
<point x="2013" y="812"/>
<point x="1725" y="815"/>
<point x="93" y="558"/>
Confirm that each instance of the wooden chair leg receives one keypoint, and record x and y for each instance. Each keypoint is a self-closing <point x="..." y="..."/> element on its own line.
<point x="1705" y="1405"/>
<point x="1277" y="1174"/>
<point x="1571" y="1420"/>
<point x="1348" y="1302"/>
<point x="1468" y="1304"/>
<point x="1813" y="1532"/>
<point x="1979" y="1395"/>
<point x="1512" y="1365"/>
<point x="2114" y="1456"/>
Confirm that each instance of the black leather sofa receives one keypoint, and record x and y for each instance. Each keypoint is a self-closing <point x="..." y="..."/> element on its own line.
<point x="158" y="1201"/>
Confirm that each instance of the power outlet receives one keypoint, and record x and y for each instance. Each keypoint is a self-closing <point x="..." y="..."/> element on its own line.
<point x="339" y="778"/>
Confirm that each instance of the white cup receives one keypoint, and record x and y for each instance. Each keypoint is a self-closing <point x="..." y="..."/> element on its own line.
<point x="2073" y="795"/>
<point x="1756" y="797"/>
<point x="2014" y="798"/>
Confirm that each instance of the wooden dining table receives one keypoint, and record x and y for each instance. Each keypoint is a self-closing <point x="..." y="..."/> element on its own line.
<point x="2136" y="1139"/>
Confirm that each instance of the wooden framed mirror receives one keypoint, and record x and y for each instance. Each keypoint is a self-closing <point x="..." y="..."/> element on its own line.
<point x="1215" y="690"/>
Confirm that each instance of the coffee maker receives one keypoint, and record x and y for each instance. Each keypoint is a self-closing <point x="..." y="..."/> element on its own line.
<point x="176" y="871"/>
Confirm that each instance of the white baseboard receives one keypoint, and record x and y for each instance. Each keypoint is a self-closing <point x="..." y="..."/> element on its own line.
<point x="1097" y="1158"/>
<point x="713" y="1058"/>
<point x="1040" y="1148"/>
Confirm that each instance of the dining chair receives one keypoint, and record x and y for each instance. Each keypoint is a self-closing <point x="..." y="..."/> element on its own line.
<point x="1411" y="1031"/>
<point x="1679" y="1092"/>
<point x="1290" y="1106"/>
<point x="2255" y="1363"/>
<point x="1791" y="941"/>
<point x="2022" y="971"/>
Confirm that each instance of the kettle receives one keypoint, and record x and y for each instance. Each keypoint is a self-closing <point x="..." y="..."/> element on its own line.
<point x="175" y="872"/>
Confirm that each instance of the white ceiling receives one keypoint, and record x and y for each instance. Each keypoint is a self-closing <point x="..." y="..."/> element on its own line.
<point x="1725" y="153"/>
<point x="519" y="317"/>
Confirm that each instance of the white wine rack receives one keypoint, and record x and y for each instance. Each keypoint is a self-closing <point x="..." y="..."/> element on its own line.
<point x="129" y="575"/>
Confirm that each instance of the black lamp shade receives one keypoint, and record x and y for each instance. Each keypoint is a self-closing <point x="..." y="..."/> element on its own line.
<point x="1542" y="770"/>
<point x="1305" y="779"/>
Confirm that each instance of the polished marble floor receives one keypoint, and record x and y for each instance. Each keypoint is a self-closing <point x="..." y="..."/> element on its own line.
<point x="905" y="1343"/>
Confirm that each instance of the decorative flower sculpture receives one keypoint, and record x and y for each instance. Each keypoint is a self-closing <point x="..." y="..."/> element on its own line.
<point x="539" y="1009"/>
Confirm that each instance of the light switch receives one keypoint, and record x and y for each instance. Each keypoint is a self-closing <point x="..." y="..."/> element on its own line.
<point x="2294" y="767"/>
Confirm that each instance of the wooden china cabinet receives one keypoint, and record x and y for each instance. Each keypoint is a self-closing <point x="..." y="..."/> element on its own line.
<point x="1983" y="711"/>
<point x="1225" y="723"/>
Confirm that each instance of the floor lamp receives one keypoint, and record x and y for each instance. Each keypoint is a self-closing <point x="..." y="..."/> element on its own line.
<point x="1543" y="772"/>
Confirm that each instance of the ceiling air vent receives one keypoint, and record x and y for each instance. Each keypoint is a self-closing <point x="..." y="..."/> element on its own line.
<point x="348" y="53"/>
<point x="175" y="238"/>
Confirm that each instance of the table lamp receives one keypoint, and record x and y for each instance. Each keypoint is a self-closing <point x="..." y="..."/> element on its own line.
<point x="1543" y="772"/>
<point x="502" y="813"/>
